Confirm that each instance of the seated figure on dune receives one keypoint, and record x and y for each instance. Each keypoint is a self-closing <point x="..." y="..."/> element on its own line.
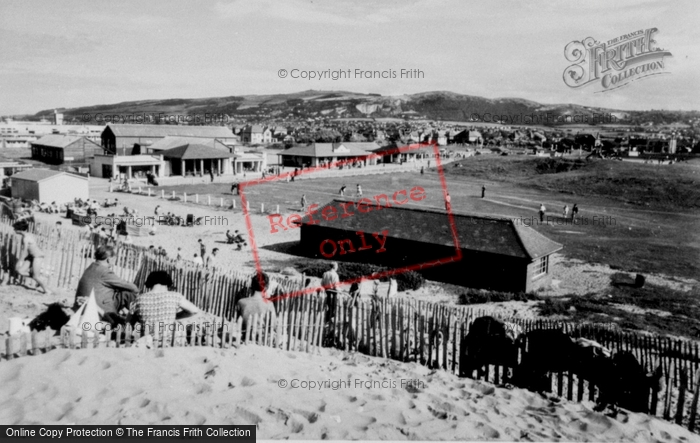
<point x="257" y="304"/>
<point x="112" y="293"/>
<point x="161" y="305"/>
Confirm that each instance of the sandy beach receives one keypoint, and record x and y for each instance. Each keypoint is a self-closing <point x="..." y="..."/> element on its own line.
<point x="243" y="386"/>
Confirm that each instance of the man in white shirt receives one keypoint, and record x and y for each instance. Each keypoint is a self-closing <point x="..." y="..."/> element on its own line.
<point x="330" y="281"/>
<point x="211" y="258"/>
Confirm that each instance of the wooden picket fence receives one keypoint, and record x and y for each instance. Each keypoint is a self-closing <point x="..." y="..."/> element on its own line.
<point x="396" y="328"/>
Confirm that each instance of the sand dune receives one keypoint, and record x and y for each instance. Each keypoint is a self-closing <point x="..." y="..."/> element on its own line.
<point x="242" y="386"/>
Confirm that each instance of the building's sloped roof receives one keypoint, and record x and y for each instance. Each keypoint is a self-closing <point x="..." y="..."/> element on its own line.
<point x="37" y="175"/>
<point x="172" y="130"/>
<point x="477" y="233"/>
<point x="194" y="151"/>
<point x="254" y="128"/>
<point x="171" y="142"/>
<point x="57" y="140"/>
<point x="331" y="150"/>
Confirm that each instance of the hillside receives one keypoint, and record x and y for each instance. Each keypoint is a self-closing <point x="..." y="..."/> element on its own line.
<point x="436" y="105"/>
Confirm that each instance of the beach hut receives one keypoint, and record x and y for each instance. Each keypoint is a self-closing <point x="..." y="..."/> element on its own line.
<point x="494" y="253"/>
<point x="46" y="186"/>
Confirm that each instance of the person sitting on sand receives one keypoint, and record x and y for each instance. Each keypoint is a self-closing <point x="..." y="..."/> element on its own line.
<point x="161" y="305"/>
<point x="30" y="258"/>
<point x="239" y="240"/>
<point x="257" y="304"/>
<point x="112" y="293"/>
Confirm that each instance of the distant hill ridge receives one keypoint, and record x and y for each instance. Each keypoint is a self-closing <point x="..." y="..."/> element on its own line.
<point x="432" y="105"/>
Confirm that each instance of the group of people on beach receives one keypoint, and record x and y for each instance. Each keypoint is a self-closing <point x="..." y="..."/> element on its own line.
<point x="120" y="302"/>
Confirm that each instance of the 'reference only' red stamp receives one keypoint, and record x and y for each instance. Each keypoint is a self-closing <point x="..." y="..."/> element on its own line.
<point x="360" y="229"/>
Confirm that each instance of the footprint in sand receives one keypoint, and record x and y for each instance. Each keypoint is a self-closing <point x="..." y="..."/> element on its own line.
<point x="250" y="418"/>
<point x="203" y="389"/>
<point x="311" y="417"/>
<point x="245" y="382"/>
<point x="489" y="433"/>
<point x="64" y="412"/>
<point x="442" y="415"/>
<point x="485" y="390"/>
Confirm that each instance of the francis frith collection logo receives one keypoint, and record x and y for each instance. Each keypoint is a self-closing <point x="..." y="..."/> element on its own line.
<point x="616" y="63"/>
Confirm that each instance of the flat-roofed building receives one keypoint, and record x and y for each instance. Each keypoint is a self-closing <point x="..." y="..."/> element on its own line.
<point x="47" y="186"/>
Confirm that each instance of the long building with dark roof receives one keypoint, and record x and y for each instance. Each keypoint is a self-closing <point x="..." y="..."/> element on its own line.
<point x="489" y="253"/>
<point x="122" y="139"/>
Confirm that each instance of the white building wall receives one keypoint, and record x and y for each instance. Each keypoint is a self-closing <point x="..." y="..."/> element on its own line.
<point x="63" y="189"/>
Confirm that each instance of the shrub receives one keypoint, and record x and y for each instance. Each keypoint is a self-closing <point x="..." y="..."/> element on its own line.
<point x="554" y="307"/>
<point x="474" y="296"/>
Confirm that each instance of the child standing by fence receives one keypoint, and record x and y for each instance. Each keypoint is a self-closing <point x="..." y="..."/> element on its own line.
<point x="30" y="258"/>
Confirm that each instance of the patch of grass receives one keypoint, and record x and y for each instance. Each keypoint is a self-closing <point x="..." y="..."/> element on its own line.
<point x="669" y="187"/>
<point x="476" y="296"/>
<point x="683" y="307"/>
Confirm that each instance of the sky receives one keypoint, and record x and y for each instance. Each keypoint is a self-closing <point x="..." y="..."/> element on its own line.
<point x="81" y="53"/>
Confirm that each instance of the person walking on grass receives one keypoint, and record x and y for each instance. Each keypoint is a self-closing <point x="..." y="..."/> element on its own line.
<point x="483" y="191"/>
<point x="574" y="211"/>
<point x="566" y="211"/>
<point x="359" y="190"/>
<point x="31" y="258"/>
<point x="542" y="211"/>
<point x="342" y="191"/>
<point x="303" y="202"/>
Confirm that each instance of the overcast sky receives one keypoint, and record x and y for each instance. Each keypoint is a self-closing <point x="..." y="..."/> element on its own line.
<point x="77" y="53"/>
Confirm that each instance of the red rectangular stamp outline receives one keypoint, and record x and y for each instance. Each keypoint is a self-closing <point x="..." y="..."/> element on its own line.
<point x="388" y="273"/>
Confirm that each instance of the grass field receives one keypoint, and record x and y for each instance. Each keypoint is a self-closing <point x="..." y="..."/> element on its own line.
<point x="636" y="218"/>
<point x="633" y="217"/>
